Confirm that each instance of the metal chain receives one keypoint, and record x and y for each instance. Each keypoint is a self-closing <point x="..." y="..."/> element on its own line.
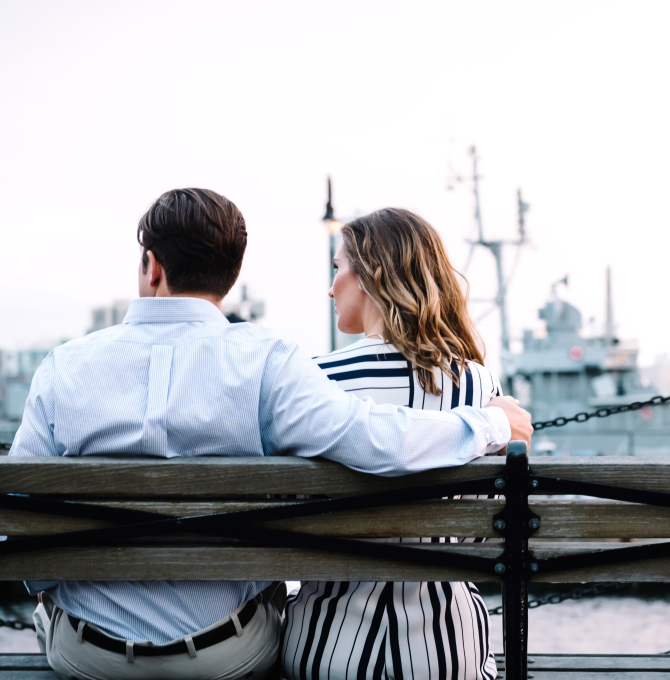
<point x="17" y="625"/>
<point x="600" y="413"/>
<point x="576" y="594"/>
<point x="561" y="421"/>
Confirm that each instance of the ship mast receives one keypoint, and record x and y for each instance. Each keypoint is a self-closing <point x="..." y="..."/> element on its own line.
<point x="496" y="248"/>
<point x="609" y="316"/>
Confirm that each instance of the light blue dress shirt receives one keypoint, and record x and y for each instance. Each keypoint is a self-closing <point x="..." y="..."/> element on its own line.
<point x="177" y="379"/>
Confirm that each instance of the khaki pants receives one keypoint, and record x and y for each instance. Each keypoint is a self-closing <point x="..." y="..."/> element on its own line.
<point x="252" y="655"/>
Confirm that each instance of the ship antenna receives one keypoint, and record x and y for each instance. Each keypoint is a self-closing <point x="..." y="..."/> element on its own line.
<point x="555" y="284"/>
<point x="496" y="249"/>
<point x="609" y="316"/>
<point x="475" y="189"/>
<point x="522" y="208"/>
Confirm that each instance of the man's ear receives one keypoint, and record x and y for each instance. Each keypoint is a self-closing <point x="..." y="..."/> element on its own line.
<point x="155" y="270"/>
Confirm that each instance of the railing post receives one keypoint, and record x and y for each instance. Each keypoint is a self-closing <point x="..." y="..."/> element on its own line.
<point x="515" y="584"/>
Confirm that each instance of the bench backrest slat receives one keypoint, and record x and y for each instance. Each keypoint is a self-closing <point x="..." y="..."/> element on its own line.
<point x="187" y="487"/>
<point x="243" y="563"/>
<point x="287" y="475"/>
<point x="560" y="519"/>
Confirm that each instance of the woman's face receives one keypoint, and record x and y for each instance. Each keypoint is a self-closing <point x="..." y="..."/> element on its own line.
<point x="350" y="300"/>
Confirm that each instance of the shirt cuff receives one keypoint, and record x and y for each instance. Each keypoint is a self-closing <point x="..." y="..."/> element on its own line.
<point x="499" y="433"/>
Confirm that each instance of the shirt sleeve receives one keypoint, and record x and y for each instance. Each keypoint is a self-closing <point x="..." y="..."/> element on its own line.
<point x="35" y="435"/>
<point x="499" y="417"/>
<point x="303" y="413"/>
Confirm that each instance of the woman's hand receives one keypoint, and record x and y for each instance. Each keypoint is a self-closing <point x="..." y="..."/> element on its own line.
<point x="519" y="419"/>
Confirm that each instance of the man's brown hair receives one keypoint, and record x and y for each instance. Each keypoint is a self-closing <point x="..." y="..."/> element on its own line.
<point x="198" y="237"/>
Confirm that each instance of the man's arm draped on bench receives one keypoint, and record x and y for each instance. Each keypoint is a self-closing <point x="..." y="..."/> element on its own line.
<point x="177" y="379"/>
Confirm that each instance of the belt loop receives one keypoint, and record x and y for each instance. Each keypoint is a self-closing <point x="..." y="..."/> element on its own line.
<point x="190" y="646"/>
<point x="236" y="623"/>
<point x="80" y="631"/>
<point x="130" y="652"/>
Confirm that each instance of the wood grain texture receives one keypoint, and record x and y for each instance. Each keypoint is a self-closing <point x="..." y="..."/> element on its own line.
<point x="230" y="476"/>
<point x="649" y="571"/>
<point x="592" y="675"/>
<point x="598" y="662"/>
<point x="560" y="667"/>
<point x="537" y="662"/>
<point x="462" y="518"/>
<point x="23" y="662"/>
<point x="212" y="476"/>
<point x="29" y="675"/>
<point x="214" y="563"/>
<point x="208" y="562"/>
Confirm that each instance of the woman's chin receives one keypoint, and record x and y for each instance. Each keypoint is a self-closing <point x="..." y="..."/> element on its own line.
<point x="348" y="330"/>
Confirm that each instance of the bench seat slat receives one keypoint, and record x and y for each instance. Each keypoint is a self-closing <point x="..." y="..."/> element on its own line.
<point x="594" y="675"/>
<point x="560" y="519"/>
<point x="29" y="675"/>
<point x="598" y="662"/>
<point x="24" y="662"/>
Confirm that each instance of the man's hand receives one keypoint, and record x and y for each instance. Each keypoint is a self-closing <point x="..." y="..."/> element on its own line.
<point x="519" y="419"/>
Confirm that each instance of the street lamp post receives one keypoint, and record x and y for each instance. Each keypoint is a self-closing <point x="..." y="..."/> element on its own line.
<point x="334" y="227"/>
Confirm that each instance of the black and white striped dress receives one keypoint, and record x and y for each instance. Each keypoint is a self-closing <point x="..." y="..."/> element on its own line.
<point x="395" y="631"/>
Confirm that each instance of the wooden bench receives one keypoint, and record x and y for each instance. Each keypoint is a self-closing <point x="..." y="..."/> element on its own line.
<point x="541" y="667"/>
<point x="284" y="539"/>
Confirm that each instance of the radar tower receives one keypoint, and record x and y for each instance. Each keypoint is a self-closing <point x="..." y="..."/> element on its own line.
<point x="496" y="248"/>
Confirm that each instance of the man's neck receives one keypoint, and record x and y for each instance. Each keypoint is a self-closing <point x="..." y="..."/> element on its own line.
<point x="164" y="291"/>
<point x="216" y="301"/>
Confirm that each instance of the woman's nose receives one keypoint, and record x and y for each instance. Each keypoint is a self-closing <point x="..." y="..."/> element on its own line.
<point x="330" y="294"/>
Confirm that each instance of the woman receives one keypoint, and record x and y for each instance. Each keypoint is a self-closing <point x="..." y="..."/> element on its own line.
<point x="395" y="284"/>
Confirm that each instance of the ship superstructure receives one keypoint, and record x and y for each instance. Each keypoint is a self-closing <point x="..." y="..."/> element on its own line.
<point x="561" y="373"/>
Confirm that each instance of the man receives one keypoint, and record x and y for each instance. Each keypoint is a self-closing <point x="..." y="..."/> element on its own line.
<point x="176" y="379"/>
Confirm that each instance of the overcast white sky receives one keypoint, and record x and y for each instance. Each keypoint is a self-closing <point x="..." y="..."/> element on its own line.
<point x="104" y="105"/>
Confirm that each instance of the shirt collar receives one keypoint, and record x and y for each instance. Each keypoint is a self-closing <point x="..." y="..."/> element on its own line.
<point x="173" y="310"/>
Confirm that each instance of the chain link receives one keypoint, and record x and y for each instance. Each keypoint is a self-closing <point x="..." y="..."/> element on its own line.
<point x="17" y="625"/>
<point x="576" y="594"/>
<point x="600" y="413"/>
<point x="561" y="421"/>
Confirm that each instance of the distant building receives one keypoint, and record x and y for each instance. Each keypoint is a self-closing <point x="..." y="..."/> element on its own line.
<point x="17" y="368"/>
<point x="104" y="317"/>
<point x="247" y="309"/>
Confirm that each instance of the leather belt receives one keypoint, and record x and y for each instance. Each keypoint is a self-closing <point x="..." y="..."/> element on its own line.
<point x="200" y="641"/>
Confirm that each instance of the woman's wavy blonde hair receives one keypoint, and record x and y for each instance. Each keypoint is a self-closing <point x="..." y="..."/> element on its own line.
<point x="401" y="263"/>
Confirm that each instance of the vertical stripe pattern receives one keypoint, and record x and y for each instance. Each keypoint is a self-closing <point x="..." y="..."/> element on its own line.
<point x="392" y="631"/>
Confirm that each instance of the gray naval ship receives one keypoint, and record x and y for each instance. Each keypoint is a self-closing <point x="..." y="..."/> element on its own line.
<point x="564" y="373"/>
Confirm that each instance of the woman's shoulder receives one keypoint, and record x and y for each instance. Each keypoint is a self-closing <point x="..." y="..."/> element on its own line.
<point x="371" y="368"/>
<point x="365" y="348"/>
<point x="368" y="358"/>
